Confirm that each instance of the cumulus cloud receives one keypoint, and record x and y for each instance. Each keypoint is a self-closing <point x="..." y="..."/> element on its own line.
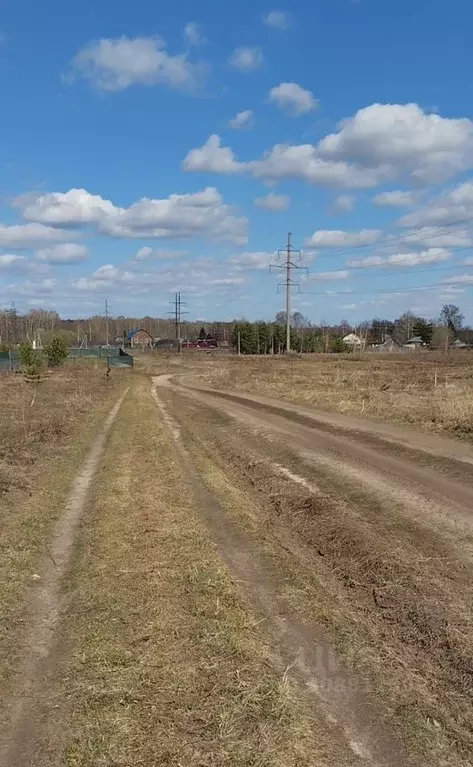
<point x="377" y="145"/>
<point x="212" y="157"/>
<point x="335" y="238"/>
<point x="116" y="64"/>
<point x="74" y="207"/>
<point x="303" y="162"/>
<point x="193" y="34"/>
<point x="65" y="253"/>
<point x="395" y="199"/>
<point x="445" y="209"/>
<point x="29" y="235"/>
<point x="241" y="120"/>
<point x="246" y="59"/>
<point x="201" y="214"/>
<point x="277" y="20"/>
<point x="428" y="147"/>
<point x="273" y="202"/>
<point x="429" y="256"/>
<point x="293" y="98"/>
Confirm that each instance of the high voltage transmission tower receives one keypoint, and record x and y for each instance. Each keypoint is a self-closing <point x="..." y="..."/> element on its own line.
<point x="291" y="255"/>
<point x="177" y="314"/>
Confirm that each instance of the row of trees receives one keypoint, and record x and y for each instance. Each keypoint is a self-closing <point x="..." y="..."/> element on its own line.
<point x="263" y="336"/>
<point x="270" y="338"/>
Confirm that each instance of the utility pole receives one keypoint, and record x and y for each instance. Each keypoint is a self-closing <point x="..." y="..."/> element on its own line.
<point x="290" y="254"/>
<point x="106" y="323"/>
<point x="177" y="313"/>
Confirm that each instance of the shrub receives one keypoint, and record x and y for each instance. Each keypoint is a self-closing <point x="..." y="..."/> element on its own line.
<point x="56" y="352"/>
<point x="31" y="362"/>
<point x="339" y="346"/>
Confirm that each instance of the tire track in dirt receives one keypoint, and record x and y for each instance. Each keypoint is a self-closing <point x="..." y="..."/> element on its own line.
<point x="46" y="606"/>
<point x="346" y="706"/>
<point x="400" y="553"/>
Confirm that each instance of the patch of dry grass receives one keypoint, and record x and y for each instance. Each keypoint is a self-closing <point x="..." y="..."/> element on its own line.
<point x="164" y="662"/>
<point x="433" y="391"/>
<point x="45" y="433"/>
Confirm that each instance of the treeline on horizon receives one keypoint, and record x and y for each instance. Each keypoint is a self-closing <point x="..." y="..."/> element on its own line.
<point x="260" y="336"/>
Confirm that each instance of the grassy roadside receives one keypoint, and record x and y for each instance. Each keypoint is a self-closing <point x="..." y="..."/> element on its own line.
<point x="163" y="662"/>
<point x="42" y="447"/>
<point x="429" y="391"/>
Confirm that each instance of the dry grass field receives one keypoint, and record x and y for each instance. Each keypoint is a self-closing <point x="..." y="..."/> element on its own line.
<point x="431" y="391"/>
<point x="45" y="431"/>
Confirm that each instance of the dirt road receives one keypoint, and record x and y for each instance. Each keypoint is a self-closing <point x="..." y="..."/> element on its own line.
<point x="365" y="530"/>
<point x="257" y="585"/>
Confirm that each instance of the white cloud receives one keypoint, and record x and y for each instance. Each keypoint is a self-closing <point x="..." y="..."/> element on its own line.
<point x="303" y="162"/>
<point x="212" y="157"/>
<point x="344" y="203"/>
<point x="34" y="288"/>
<point x="432" y="236"/>
<point x="341" y="274"/>
<point x="429" y="256"/>
<point x="445" y="209"/>
<point x="338" y="239"/>
<point x="65" y="253"/>
<point x="377" y="145"/>
<point x="277" y="20"/>
<point x="293" y="99"/>
<point x="241" y="120"/>
<point x="29" y="235"/>
<point x="273" y="202"/>
<point x="461" y="279"/>
<point x="257" y="260"/>
<point x="116" y="64"/>
<point x="11" y="261"/>
<point x="158" y="254"/>
<point x="405" y="139"/>
<point x="246" y="59"/>
<point x="395" y="199"/>
<point x="180" y="215"/>
<point x="193" y="34"/>
<point x="76" y="206"/>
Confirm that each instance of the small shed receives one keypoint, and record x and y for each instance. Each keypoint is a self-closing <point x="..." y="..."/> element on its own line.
<point x="389" y="345"/>
<point x="415" y="342"/>
<point x="139" y="337"/>
<point x="353" y="341"/>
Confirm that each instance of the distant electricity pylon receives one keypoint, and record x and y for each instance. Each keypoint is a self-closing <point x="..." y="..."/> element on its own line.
<point x="291" y="255"/>
<point x="177" y="314"/>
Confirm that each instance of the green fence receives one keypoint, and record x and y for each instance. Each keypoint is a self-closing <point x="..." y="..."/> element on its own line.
<point x="10" y="361"/>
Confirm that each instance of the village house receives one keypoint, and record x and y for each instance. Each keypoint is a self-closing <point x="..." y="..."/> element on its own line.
<point x="139" y="337"/>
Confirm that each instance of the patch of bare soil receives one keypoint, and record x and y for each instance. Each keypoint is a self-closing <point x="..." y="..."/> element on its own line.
<point x="397" y="602"/>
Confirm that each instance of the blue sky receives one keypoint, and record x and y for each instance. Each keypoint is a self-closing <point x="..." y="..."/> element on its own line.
<point x="146" y="150"/>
